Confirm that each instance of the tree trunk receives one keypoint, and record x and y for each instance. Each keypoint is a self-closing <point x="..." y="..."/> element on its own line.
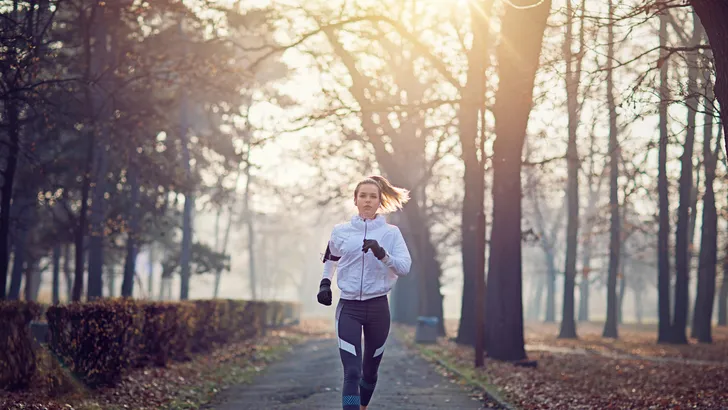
<point x="19" y="257"/>
<point x="405" y="297"/>
<point x="663" y="236"/>
<point x="550" y="286"/>
<point x="708" y="259"/>
<point x="23" y="203"/>
<point x="150" y="267"/>
<point x="516" y="71"/>
<point x="714" y="18"/>
<point x="723" y="295"/>
<point x="67" y="272"/>
<point x="32" y="279"/>
<point x="430" y="298"/>
<point x="127" y="284"/>
<point x="111" y="274"/>
<point x="584" y="282"/>
<point x="638" y="308"/>
<point x="474" y="174"/>
<point x="682" y="235"/>
<point x="620" y="298"/>
<point x="185" y="253"/>
<point x="216" y="246"/>
<point x="573" y="79"/>
<point x="534" y="311"/>
<point x="548" y="236"/>
<point x="8" y="175"/>
<point x="56" y="274"/>
<point x="249" y="222"/>
<point x="610" y="326"/>
<point x="99" y="111"/>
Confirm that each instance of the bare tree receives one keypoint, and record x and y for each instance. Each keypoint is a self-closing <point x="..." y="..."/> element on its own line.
<point x="516" y="72"/>
<point x="610" y="326"/>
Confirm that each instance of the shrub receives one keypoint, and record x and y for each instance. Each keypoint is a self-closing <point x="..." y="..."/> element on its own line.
<point x="17" y="355"/>
<point x="167" y="333"/>
<point x="97" y="340"/>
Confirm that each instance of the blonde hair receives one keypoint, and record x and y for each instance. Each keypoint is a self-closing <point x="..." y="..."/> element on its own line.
<point x="391" y="198"/>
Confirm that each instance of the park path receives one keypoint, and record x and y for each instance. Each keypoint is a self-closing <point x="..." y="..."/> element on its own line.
<point x="310" y="377"/>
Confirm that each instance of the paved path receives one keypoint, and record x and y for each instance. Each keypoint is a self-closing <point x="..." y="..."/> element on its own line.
<point x="310" y="378"/>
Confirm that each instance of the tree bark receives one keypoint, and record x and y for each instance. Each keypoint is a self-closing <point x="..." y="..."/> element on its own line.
<point x="67" y="272"/>
<point x="550" y="285"/>
<point x="536" y="302"/>
<point x="708" y="259"/>
<point x="723" y="294"/>
<point x="573" y="80"/>
<point x="150" y="268"/>
<point x="610" y="326"/>
<point x="56" y="274"/>
<point x="249" y="222"/>
<point x="99" y="113"/>
<point x="32" y="279"/>
<point x="474" y="174"/>
<point x="12" y="112"/>
<point x="663" y="235"/>
<point x="185" y="253"/>
<point x="713" y="15"/>
<point x="405" y="297"/>
<point x="517" y="68"/>
<point x="19" y="257"/>
<point x="638" y="308"/>
<point x="127" y="284"/>
<point x="682" y="235"/>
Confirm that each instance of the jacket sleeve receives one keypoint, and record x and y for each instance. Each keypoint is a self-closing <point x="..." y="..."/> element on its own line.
<point x="331" y="259"/>
<point x="398" y="260"/>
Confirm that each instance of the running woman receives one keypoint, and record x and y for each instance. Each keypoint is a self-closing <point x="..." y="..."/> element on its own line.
<point x="369" y="255"/>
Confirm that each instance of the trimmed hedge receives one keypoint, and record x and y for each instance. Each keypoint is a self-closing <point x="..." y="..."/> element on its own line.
<point x="17" y="356"/>
<point x="98" y="341"/>
<point x="168" y="332"/>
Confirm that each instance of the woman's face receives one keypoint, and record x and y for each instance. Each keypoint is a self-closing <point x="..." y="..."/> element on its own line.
<point x="367" y="200"/>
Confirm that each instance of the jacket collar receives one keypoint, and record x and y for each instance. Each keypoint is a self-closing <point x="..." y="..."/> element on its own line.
<point x="358" y="222"/>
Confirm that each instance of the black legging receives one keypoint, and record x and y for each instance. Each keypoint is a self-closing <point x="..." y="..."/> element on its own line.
<point x="360" y="372"/>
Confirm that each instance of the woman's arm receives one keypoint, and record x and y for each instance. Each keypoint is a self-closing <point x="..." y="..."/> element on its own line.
<point x="331" y="259"/>
<point x="330" y="263"/>
<point x="398" y="260"/>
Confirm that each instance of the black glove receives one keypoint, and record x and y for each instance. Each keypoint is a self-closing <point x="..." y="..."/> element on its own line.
<point x="377" y="250"/>
<point x="324" y="294"/>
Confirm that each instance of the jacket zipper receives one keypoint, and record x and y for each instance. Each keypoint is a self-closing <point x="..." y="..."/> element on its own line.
<point x="361" y="282"/>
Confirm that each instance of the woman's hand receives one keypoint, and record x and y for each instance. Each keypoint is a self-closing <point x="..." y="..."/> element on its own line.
<point x="377" y="250"/>
<point x="324" y="294"/>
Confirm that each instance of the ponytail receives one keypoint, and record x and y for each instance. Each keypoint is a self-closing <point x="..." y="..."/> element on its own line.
<point x="391" y="197"/>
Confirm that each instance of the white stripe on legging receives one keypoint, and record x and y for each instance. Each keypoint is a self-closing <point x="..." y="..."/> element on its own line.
<point x="343" y="344"/>
<point x="379" y="351"/>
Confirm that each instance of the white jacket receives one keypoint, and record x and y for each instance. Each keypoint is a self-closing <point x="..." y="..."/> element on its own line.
<point x="362" y="276"/>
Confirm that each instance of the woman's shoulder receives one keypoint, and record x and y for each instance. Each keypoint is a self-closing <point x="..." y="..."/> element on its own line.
<point x="393" y="228"/>
<point x="342" y="226"/>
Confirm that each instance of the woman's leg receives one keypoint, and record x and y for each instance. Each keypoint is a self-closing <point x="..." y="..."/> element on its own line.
<point x="348" y="329"/>
<point x="376" y="330"/>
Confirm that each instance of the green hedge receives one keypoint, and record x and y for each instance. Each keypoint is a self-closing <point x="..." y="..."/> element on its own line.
<point x="98" y="341"/>
<point x="17" y="356"/>
<point x="168" y="331"/>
